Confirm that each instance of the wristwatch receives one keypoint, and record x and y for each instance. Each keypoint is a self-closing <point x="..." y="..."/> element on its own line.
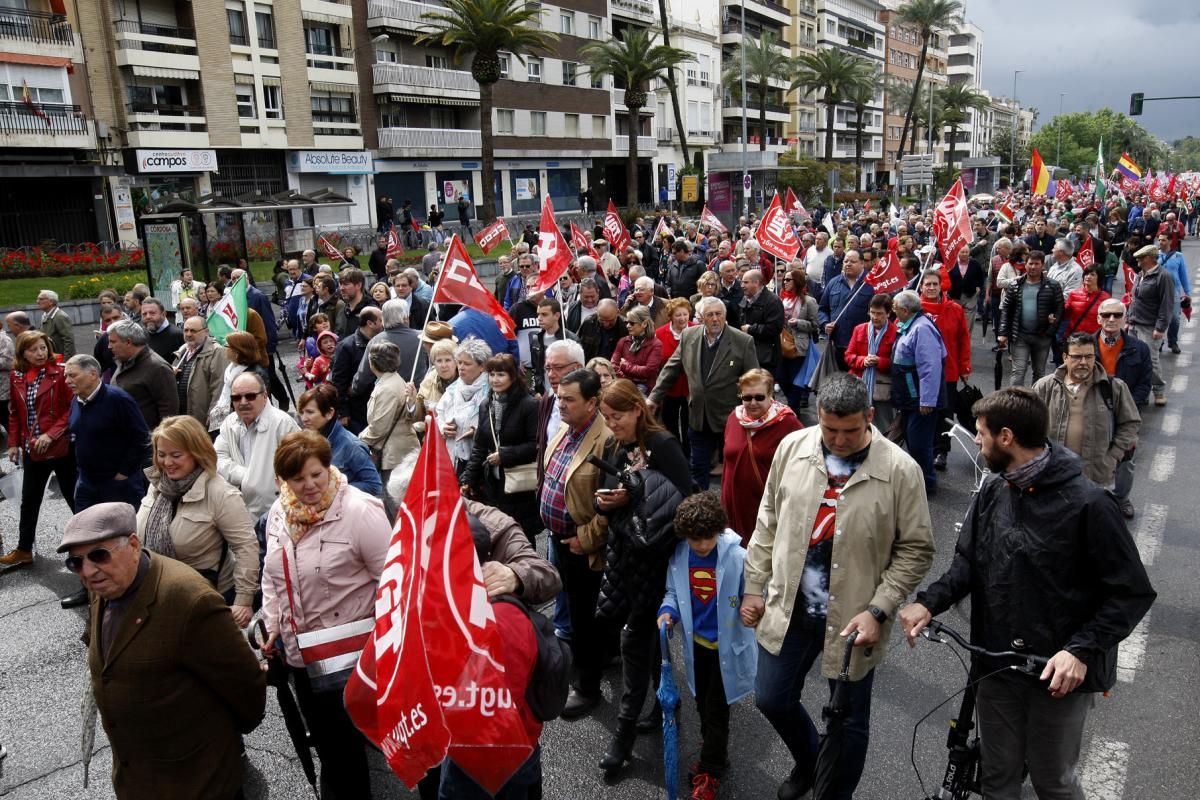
<point x="877" y="613"/>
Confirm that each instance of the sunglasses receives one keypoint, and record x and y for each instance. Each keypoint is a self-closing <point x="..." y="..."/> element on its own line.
<point x="100" y="556"/>
<point x="1111" y="314"/>
<point x="248" y="396"/>
<point x="753" y="398"/>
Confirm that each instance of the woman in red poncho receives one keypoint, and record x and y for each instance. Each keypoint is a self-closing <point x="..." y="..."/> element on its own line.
<point x="674" y="410"/>
<point x="1082" y="304"/>
<point x="952" y="324"/>
<point x="752" y="433"/>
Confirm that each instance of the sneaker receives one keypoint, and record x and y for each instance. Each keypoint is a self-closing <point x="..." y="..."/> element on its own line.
<point x="16" y="558"/>
<point x="705" y="786"/>
<point x="1126" y="509"/>
<point x="939" y="462"/>
<point x="1160" y="399"/>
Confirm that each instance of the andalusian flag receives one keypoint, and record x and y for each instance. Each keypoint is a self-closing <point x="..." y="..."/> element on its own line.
<point x="1129" y="168"/>
<point x="1101" y="187"/>
<point x="1039" y="182"/>
<point x="230" y="313"/>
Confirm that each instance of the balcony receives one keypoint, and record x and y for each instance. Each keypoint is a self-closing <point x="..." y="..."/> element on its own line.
<point x="331" y="65"/>
<point x="619" y="100"/>
<point x="331" y="13"/>
<point x="634" y="9"/>
<point x="731" y="33"/>
<point x="45" y="125"/>
<point x="769" y="9"/>
<point x="645" y="144"/>
<point x="410" y="83"/>
<point x="157" y="50"/>
<point x="776" y="112"/>
<point x="398" y="16"/>
<point x="166" y="125"/>
<point x="807" y="8"/>
<point x="421" y="142"/>
<point x="38" y="33"/>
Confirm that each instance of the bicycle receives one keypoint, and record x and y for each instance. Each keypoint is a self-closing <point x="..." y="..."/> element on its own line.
<point x="963" y="772"/>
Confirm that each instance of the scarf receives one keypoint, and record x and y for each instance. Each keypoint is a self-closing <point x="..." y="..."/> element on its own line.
<point x="461" y="404"/>
<point x="298" y="517"/>
<point x="873" y="341"/>
<point x="778" y="411"/>
<point x="162" y="512"/>
<point x="636" y="342"/>
<point x="1023" y="476"/>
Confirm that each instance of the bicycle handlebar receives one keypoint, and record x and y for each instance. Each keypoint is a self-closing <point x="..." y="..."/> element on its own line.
<point x="1033" y="664"/>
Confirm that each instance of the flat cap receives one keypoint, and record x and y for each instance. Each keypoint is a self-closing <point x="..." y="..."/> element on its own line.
<point x="97" y="523"/>
<point x="1148" y="250"/>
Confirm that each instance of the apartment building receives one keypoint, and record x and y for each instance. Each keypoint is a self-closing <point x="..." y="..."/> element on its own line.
<point x="51" y="178"/>
<point x="903" y="43"/>
<point x="964" y="67"/>
<point x="854" y="26"/>
<point x="802" y="37"/>
<point x="761" y="16"/>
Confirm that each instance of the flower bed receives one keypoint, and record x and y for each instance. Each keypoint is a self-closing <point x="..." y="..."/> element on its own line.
<point x="88" y="259"/>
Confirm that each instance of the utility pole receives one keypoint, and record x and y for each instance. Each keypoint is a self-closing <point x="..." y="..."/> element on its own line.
<point x="745" y="132"/>
<point x="1058" y="124"/>
<point x="1012" y="140"/>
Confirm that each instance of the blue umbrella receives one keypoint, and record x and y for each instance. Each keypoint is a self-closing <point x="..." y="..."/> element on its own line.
<point x="668" y="698"/>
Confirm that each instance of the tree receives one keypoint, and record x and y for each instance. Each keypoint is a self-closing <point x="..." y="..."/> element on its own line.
<point x="956" y="100"/>
<point x="807" y="176"/>
<point x="1185" y="154"/>
<point x="860" y="95"/>
<point x="1081" y="133"/>
<point x="764" y="63"/>
<point x="666" y="32"/>
<point x="1001" y="147"/>
<point x="635" y="60"/>
<point x="832" y="72"/>
<point x="928" y="17"/>
<point x="483" y="29"/>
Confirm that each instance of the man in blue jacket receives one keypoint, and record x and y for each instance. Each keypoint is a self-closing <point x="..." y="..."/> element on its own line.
<point x="1172" y="263"/>
<point x="845" y="304"/>
<point x="918" y="391"/>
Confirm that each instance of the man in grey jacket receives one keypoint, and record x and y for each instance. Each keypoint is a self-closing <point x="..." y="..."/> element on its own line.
<point x="1151" y="310"/>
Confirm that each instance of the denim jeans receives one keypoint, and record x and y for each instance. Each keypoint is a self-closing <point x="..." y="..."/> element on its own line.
<point x="562" y="610"/>
<point x="1173" y="328"/>
<point x="457" y="785"/>
<point x="703" y="443"/>
<point x="777" y="690"/>
<point x="919" y="430"/>
<point x="1028" y="352"/>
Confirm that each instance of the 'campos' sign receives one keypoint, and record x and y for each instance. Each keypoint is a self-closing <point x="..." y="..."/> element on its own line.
<point x="176" y="160"/>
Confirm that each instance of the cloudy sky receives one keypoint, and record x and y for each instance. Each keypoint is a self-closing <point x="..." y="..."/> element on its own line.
<point x="1096" y="52"/>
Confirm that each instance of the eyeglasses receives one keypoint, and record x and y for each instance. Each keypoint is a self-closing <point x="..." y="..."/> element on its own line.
<point x="1080" y="356"/>
<point x="248" y="396"/>
<point x="557" y="367"/>
<point x="1111" y="314"/>
<point x="753" y="398"/>
<point x="100" y="556"/>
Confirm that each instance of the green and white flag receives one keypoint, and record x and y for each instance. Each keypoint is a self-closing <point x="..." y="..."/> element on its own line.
<point x="1101" y="186"/>
<point x="230" y="313"/>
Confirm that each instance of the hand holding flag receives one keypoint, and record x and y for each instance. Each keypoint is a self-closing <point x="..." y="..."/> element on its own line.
<point x="459" y="283"/>
<point x="553" y="254"/>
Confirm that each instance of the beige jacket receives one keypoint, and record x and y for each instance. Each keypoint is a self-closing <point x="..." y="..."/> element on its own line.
<point x="582" y="480"/>
<point x="211" y="516"/>
<point x="1107" y="436"/>
<point x="206" y="381"/>
<point x="885" y="552"/>
<point x="390" y="420"/>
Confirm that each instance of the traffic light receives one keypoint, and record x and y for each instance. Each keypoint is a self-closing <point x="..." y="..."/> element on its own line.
<point x="1135" y="104"/>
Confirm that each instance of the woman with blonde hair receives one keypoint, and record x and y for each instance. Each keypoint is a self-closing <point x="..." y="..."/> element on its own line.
<point x="442" y="373"/>
<point x="191" y="514"/>
<point x="604" y="368"/>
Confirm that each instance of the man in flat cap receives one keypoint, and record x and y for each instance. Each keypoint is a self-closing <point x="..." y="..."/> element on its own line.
<point x="174" y="680"/>
<point x="1151" y="310"/>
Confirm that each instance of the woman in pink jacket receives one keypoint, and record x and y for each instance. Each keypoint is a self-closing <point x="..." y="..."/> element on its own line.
<point x="326" y="545"/>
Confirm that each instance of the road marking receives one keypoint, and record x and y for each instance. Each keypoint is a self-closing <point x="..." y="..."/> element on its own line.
<point x="1179" y="384"/>
<point x="1150" y="532"/>
<point x="1187" y="337"/>
<point x="1104" y="769"/>
<point x="1132" y="652"/>
<point x="1171" y="420"/>
<point x="1190" y="323"/>
<point x="1183" y="360"/>
<point x="1163" y="464"/>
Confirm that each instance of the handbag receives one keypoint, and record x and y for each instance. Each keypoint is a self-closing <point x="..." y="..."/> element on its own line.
<point x="329" y="654"/>
<point x="964" y="400"/>
<point x="519" y="477"/>
<point x="787" y="345"/>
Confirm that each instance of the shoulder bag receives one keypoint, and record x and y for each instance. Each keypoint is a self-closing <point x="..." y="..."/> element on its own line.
<point x="518" y="478"/>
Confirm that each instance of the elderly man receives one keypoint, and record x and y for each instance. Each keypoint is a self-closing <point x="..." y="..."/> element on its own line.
<point x="1171" y="262"/>
<point x="161" y="336"/>
<point x="586" y="266"/>
<point x="56" y="324"/>
<point x="918" y="391"/>
<point x="1122" y="356"/>
<point x="1150" y="311"/>
<point x="1029" y="313"/>
<point x="174" y="680"/>
<point x="413" y="358"/>
<point x="188" y="307"/>
<point x="293" y="297"/>
<point x="18" y="322"/>
<point x="347" y="358"/>
<point x="714" y="356"/>
<point x="806" y="589"/>
<point x="586" y="302"/>
<point x="504" y="273"/>
<point x="518" y="284"/>
<point x="199" y="373"/>
<point x="112" y="440"/>
<point x="761" y="315"/>
<point x="845" y="304"/>
<point x="814" y="263"/>
<point x="608" y="262"/>
<point x="142" y="373"/>
<point x="684" y="269"/>
<point x="600" y="332"/>
<point x="643" y="295"/>
<point x="1064" y="269"/>
<point x="247" y="441"/>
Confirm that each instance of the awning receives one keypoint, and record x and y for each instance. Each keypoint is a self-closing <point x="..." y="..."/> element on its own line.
<point x="242" y="79"/>
<point x="330" y="19"/>
<point x="437" y="101"/>
<point x="41" y="61"/>
<point x="340" y="88"/>
<point x="271" y="80"/>
<point x="166" y="72"/>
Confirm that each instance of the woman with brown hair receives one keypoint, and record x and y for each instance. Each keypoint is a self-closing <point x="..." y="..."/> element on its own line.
<point x="317" y="409"/>
<point x="38" y="437"/>
<point x="638" y="356"/>
<point x="800" y="322"/>
<point x="242" y="353"/>
<point x="674" y="407"/>
<point x="753" y="431"/>
<point x="326" y="546"/>
<point x="191" y="514"/>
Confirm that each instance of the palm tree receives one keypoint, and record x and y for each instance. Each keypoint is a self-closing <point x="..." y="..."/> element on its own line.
<point x="483" y="29"/>
<point x="928" y="17"/>
<point x="956" y="101"/>
<point x="860" y="95"/>
<point x="636" y="61"/>
<point x="832" y="72"/>
<point x="764" y="63"/>
<point x="670" y="76"/>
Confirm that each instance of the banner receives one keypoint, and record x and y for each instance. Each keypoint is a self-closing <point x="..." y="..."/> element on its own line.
<point x="886" y="276"/>
<point x="330" y="251"/>
<point x="491" y="236"/>
<point x="952" y="225"/>
<point x="662" y="227"/>
<point x="1086" y="255"/>
<point x="581" y="241"/>
<point x="790" y="202"/>
<point x="553" y="254"/>
<point x="710" y="219"/>
<point x="459" y="283"/>
<point x="775" y="234"/>
<point x="394" y="248"/>
<point x="615" y="231"/>
<point x="230" y="313"/>
<point x="1063" y="190"/>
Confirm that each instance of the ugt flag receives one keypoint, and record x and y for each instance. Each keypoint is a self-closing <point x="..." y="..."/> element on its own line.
<point x="775" y="234"/>
<point x="615" y="231"/>
<point x="459" y="283"/>
<point x="952" y="225"/>
<point x="554" y="256"/>
<point x="230" y="312"/>
<point x="491" y="236"/>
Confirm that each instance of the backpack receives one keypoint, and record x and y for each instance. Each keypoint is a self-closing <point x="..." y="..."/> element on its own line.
<point x="550" y="682"/>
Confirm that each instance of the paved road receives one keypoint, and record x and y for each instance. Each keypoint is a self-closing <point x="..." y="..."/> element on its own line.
<point x="1140" y="742"/>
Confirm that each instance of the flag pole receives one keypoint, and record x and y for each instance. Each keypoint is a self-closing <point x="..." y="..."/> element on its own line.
<point x="432" y="301"/>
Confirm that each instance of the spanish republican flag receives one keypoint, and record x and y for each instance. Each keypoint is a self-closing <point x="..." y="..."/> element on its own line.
<point x="1039" y="181"/>
<point x="1129" y="168"/>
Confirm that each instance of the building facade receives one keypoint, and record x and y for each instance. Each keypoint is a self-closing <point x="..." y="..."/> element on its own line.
<point x="802" y="35"/>
<point x="854" y="26"/>
<point x="903" y="58"/>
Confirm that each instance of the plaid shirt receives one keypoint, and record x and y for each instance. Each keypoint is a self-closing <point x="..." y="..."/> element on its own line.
<point x="554" y="487"/>
<point x="31" y="420"/>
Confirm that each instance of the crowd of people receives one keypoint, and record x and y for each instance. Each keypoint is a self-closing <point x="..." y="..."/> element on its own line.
<point x="641" y="380"/>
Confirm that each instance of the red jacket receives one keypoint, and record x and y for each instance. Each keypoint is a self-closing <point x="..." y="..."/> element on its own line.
<point x="856" y="351"/>
<point x="519" y="658"/>
<point x="1079" y="307"/>
<point x="641" y="367"/>
<point x="53" y="406"/>
<point x="669" y="343"/>
<point x="952" y="323"/>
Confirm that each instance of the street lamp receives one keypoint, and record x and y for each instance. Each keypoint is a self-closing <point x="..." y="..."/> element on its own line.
<point x="745" y="132"/>
<point x="1058" y="124"/>
<point x="1012" y="138"/>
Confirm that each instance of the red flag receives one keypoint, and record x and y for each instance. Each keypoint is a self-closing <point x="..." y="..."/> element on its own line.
<point x="416" y="226"/>
<point x="1063" y="190"/>
<point x="775" y="234"/>
<point x="581" y="241"/>
<point x="1087" y="254"/>
<point x="459" y="283"/>
<point x="330" y="250"/>
<point x="1006" y="209"/>
<point x="1129" y="185"/>
<point x="489" y="237"/>
<point x="952" y="225"/>
<point x="1129" y="275"/>
<point x="394" y="248"/>
<point x="615" y="231"/>
<point x="553" y="253"/>
<point x="867" y="207"/>
<point x="662" y="227"/>
<point x="886" y="275"/>
<point x="710" y="219"/>
<point x="790" y="202"/>
<point x="1171" y="186"/>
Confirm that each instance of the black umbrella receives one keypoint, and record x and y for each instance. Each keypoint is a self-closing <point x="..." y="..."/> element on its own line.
<point x="833" y="742"/>
<point x="277" y="676"/>
<point x="999" y="368"/>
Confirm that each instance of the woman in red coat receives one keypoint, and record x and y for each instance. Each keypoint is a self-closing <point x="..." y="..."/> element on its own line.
<point x="952" y="323"/>
<point x="869" y="356"/>
<point x="674" y="408"/>
<point x="1081" y="304"/>
<point x="752" y="433"/>
<point x="38" y="438"/>
<point x="638" y="356"/>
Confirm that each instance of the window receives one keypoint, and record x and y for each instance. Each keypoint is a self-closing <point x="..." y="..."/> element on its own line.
<point x="536" y="8"/>
<point x="535" y="70"/>
<point x="597" y="81"/>
<point x="566" y="23"/>
<point x="571" y="127"/>
<point x="245" y="102"/>
<point x="437" y="62"/>
<point x="235" y="14"/>
<point x="504" y="120"/>
<point x="705" y="69"/>
<point x="265" y="25"/>
<point x="595" y="28"/>
<point x="537" y="123"/>
<point x="320" y="41"/>
<point x="332" y="108"/>
<point x="599" y="127"/>
<point x="272" y="103"/>
<point x="441" y="117"/>
<point x="385" y="56"/>
<point x="37" y="94"/>
<point x="570" y="71"/>
<point x="393" y="117"/>
<point x="505" y="64"/>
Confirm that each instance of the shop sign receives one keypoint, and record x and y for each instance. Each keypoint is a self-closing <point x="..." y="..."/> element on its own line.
<point x="331" y="162"/>
<point x="176" y="160"/>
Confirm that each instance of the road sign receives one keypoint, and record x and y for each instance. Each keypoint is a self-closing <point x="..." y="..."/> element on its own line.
<point x="746" y="182"/>
<point x="917" y="169"/>
<point x="671" y="179"/>
<point x="835" y="178"/>
<point x="691" y="188"/>
<point x="1135" y="104"/>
